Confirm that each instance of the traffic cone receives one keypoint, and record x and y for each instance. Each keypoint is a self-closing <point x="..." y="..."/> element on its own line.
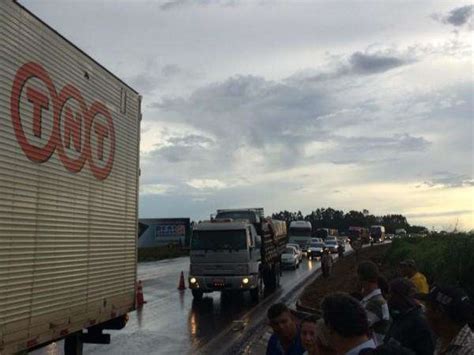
<point x="140" y="300"/>
<point x="181" y="285"/>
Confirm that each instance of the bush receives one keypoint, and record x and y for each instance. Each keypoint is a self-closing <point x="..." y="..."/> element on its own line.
<point x="161" y="252"/>
<point x="445" y="259"/>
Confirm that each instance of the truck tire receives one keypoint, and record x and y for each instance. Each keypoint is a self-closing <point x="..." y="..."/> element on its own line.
<point x="272" y="277"/>
<point x="197" y="294"/>
<point x="278" y="274"/>
<point x="73" y="344"/>
<point x="257" y="293"/>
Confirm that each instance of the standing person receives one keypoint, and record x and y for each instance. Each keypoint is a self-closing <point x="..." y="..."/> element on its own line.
<point x="372" y="300"/>
<point x="408" y="269"/>
<point x="448" y="310"/>
<point x="409" y="327"/>
<point x="286" y="339"/>
<point x="347" y="324"/>
<point x="326" y="263"/>
<point x="340" y="251"/>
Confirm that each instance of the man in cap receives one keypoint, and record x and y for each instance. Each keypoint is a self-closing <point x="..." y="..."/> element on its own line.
<point x="409" y="327"/>
<point x="448" y="310"/>
<point x="408" y="269"/>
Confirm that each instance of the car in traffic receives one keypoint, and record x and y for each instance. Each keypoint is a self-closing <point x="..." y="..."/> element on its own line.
<point x="315" y="250"/>
<point x="289" y="258"/>
<point x="331" y="245"/>
<point x="298" y="249"/>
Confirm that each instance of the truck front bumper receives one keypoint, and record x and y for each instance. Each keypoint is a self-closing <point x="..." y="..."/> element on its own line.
<point x="223" y="282"/>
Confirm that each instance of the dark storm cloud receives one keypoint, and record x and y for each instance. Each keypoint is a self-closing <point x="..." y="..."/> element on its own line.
<point x="251" y="110"/>
<point x="359" y="64"/>
<point x="456" y="17"/>
<point x="448" y="179"/>
<point x="365" y="64"/>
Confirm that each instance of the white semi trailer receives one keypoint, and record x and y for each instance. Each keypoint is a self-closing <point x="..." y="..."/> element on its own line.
<point x="69" y="169"/>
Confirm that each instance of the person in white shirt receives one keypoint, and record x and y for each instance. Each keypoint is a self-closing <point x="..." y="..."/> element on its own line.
<point x="347" y="324"/>
<point x="373" y="301"/>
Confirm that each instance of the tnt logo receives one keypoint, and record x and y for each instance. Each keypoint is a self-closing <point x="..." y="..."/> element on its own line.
<point x="45" y="120"/>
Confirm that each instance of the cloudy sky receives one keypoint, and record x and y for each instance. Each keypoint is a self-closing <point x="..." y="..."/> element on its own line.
<point x="293" y="104"/>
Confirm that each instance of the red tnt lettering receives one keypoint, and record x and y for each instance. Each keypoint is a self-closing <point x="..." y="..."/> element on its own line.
<point x="102" y="133"/>
<point x="40" y="101"/>
<point x="78" y="126"/>
<point x="73" y="127"/>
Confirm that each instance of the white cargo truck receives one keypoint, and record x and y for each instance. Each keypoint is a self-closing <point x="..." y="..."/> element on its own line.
<point x="69" y="169"/>
<point x="240" y="250"/>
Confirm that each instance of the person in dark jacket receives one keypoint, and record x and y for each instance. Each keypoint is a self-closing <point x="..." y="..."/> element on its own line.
<point x="409" y="327"/>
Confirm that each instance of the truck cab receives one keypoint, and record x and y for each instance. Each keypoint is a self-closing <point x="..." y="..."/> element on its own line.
<point x="300" y="233"/>
<point x="377" y="233"/>
<point x="225" y="255"/>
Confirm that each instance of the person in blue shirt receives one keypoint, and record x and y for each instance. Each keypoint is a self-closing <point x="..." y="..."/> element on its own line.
<point x="286" y="338"/>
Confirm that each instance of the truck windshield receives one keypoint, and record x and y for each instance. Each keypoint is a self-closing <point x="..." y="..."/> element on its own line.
<point x="354" y="233"/>
<point x="322" y="233"/>
<point x="300" y="232"/>
<point x="223" y="239"/>
<point x="375" y="231"/>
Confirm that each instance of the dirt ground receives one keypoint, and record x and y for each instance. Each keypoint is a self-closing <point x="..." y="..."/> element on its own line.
<point x="343" y="277"/>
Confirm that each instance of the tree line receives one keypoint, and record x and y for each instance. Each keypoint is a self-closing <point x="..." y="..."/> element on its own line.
<point x="337" y="219"/>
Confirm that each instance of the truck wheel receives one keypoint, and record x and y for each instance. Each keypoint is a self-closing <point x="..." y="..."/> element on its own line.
<point x="197" y="294"/>
<point x="278" y="275"/>
<point x="257" y="293"/>
<point x="73" y="344"/>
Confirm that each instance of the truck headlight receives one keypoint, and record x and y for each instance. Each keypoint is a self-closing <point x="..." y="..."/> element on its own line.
<point x="245" y="280"/>
<point x="192" y="280"/>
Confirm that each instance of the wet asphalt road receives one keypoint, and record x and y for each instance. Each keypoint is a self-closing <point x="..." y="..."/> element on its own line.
<point x="172" y="323"/>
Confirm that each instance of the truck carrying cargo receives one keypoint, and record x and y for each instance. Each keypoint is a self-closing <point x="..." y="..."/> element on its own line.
<point x="358" y="234"/>
<point x="377" y="233"/>
<point x="239" y="250"/>
<point x="69" y="159"/>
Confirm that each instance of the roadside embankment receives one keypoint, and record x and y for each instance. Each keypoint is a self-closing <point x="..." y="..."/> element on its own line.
<point x="161" y="253"/>
<point x="343" y="277"/>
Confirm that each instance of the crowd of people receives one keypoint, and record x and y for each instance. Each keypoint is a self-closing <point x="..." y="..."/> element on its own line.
<point x="403" y="316"/>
